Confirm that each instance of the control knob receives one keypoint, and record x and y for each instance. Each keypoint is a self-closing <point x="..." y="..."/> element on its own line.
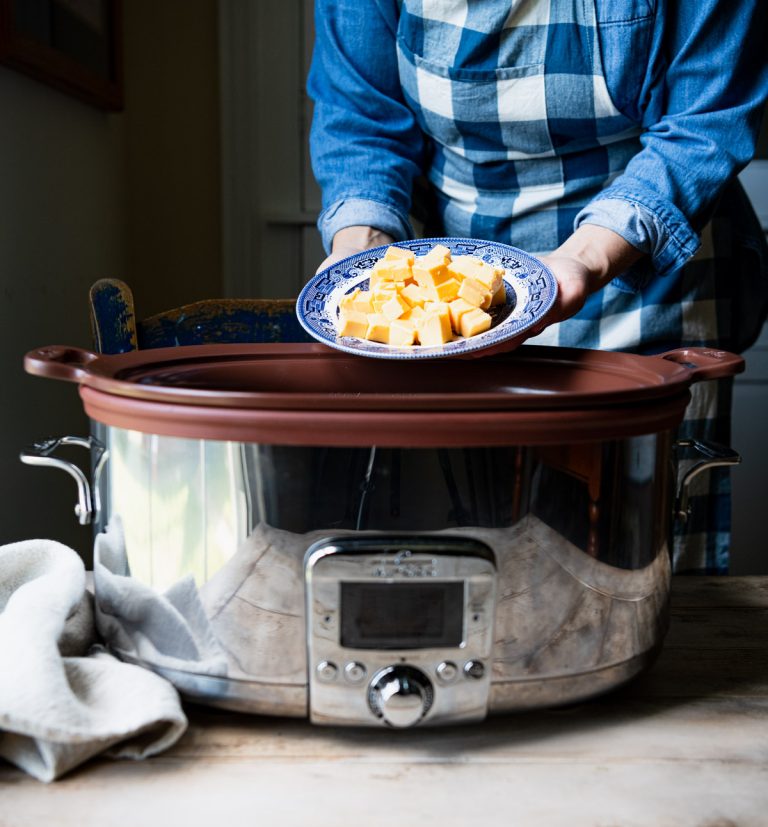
<point x="401" y="695"/>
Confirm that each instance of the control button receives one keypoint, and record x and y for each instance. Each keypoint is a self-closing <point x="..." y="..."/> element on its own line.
<point x="354" y="671"/>
<point x="447" y="671"/>
<point x="400" y="695"/>
<point x="327" y="671"/>
<point x="474" y="669"/>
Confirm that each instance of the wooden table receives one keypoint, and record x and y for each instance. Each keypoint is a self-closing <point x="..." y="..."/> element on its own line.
<point x="686" y="744"/>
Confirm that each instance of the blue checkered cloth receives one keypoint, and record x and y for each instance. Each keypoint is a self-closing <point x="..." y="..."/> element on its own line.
<point x="522" y="140"/>
<point x="530" y="117"/>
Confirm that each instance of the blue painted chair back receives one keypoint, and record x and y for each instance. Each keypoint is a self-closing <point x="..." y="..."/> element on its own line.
<point x="115" y="328"/>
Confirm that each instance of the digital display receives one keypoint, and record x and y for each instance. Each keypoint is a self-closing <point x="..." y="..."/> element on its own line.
<point x="402" y="615"/>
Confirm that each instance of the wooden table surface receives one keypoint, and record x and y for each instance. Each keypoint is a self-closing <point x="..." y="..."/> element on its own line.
<point x="685" y="744"/>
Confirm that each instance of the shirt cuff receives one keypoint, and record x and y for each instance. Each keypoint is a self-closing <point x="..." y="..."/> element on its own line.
<point x="365" y="212"/>
<point x="651" y="225"/>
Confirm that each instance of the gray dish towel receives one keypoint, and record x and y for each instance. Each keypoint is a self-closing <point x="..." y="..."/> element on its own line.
<point x="63" y="699"/>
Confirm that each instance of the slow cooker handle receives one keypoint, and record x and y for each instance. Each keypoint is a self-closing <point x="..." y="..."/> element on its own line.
<point x="712" y="455"/>
<point x="706" y="363"/>
<point x="59" y="362"/>
<point x="41" y="454"/>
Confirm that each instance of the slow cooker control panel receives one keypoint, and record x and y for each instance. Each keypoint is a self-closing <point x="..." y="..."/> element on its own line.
<point x="399" y="630"/>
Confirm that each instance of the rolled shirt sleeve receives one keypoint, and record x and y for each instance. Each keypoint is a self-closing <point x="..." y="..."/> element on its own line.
<point x="365" y="145"/>
<point x="352" y="212"/>
<point x="700" y="125"/>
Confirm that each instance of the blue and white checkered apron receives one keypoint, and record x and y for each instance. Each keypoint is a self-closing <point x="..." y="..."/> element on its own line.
<point x="523" y="134"/>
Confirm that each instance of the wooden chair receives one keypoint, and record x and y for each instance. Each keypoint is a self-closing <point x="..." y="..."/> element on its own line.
<point x="225" y="321"/>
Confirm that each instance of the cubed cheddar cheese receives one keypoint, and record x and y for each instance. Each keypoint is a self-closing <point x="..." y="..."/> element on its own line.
<point x="381" y="294"/>
<point x="395" y="253"/>
<point x="475" y="293"/>
<point x="435" y="327"/>
<point x="473" y="322"/>
<point x="438" y="255"/>
<point x="396" y="271"/>
<point x="378" y="328"/>
<point x="414" y="295"/>
<point x="500" y="296"/>
<point x="353" y="323"/>
<point x="347" y="300"/>
<point x="444" y="292"/>
<point x="457" y="308"/>
<point x="491" y="277"/>
<point x="474" y="268"/>
<point x="465" y="267"/>
<point x="362" y="302"/>
<point x="402" y="333"/>
<point x="414" y="314"/>
<point x="395" y="307"/>
<point x="425" y="300"/>
<point x="428" y="277"/>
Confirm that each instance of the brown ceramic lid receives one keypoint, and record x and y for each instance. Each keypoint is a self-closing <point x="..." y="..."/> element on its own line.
<point x="314" y="395"/>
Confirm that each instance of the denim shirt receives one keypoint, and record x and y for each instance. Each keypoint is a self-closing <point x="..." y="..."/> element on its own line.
<point x="692" y="77"/>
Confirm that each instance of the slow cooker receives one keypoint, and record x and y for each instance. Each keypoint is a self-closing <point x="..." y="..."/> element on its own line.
<point x="286" y="529"/>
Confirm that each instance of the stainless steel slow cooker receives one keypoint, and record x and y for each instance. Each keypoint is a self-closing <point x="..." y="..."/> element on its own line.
<point x="291" y="530"/>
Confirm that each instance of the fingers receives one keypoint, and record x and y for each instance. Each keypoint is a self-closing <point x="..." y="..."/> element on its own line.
<point x="352" y="240"/>
<point x="332" y="259"/>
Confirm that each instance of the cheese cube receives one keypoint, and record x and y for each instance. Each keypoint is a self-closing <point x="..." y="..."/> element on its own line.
<point x="378" y="328"/>
<point x="389" y="271"/>
<point x="375" y="280"/>
<point x="415" y="314"/>
<point x="438" y="255"/>
<point x="474" y="268"/>
<point x="473" y="322"/>
<point x="444" y="292"/>
<point x="402" y="333"/>
<point x="394" y="253"/>
<point x="427" y="277"/>
<point x="395" y="307"/>
<point x="362" y="302"/>
<point x="381" y="294"/>
<point x="347" y="300"/>
<point x="457" y="308"/>
<point x="353" y="323"/>
<point x="475" y="293"/>
<point x="464" y="267"/>
<point x="500" y="296"/>
<point x="392" y="270"/>
<point x="435" y="327"/>
<point x="491" y="277"/>
<point x="414" y="295"/>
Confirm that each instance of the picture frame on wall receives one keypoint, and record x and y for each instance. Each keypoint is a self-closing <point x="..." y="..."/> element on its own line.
<point x="73" y="45"/>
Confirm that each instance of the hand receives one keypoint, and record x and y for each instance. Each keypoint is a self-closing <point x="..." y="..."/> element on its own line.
<point x="575" y="282"/>
<point x="582" y="265"/>
<point x="351" y="240"/>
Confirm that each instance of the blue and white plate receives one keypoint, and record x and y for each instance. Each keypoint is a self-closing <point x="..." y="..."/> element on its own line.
<point x="531" y="291"/>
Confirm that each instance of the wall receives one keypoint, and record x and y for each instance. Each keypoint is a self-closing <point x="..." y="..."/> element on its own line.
<point x="86" y="195"/>
<point x="270" y="198"/>
<point x="172" y="152"/>
<point x="61" y="228"/>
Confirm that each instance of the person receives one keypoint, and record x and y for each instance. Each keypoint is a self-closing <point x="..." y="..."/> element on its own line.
<point x="604" y="137"/>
